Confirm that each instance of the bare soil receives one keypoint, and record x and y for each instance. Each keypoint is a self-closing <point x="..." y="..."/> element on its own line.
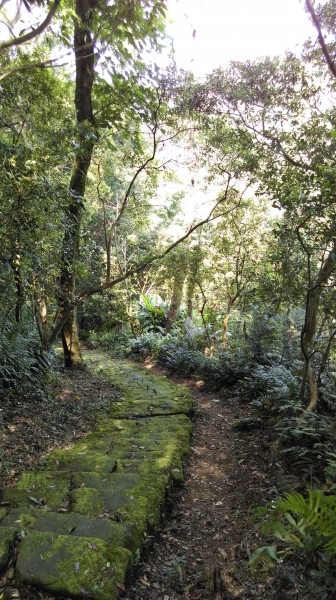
<point x="203" y="549"/>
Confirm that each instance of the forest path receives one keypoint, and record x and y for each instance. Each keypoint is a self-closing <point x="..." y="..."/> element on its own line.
<point x="79" y="522"/>
<point x="203" y="550"/>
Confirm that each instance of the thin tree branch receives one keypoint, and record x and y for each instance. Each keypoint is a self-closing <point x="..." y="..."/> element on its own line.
<point x="100" y="288"/>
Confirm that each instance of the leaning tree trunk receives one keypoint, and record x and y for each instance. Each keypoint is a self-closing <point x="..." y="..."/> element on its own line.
<point x="84" y="52"/>
<point x="308" y="333"/>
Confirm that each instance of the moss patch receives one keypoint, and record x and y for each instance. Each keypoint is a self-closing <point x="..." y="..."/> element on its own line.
<point x="87" y="502"/>
<point x="72" y="567"/>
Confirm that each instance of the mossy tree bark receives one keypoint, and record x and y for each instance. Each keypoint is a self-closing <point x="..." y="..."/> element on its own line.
<point x="84" y="52"/>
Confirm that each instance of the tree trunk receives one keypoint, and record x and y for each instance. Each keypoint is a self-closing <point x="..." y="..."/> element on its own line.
<point x="308" y="333"/>
<point x="16" y="266"/>
<point x="84" y="52"/>
<point x="175" y="303"/>
<point x="41" y="316"/>
<point x="225" y="326"/>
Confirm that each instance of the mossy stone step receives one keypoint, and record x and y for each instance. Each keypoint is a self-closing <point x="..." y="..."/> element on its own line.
<point x="123" y="535"/>
<point x="74" y="460"/>
<point x="147" y="438"/>
<point x="115" y="481"/>
<point x="145" y="394"/>
<point x="138" y="406"/>
<point x="165" y="465"/>
<point x="139" y="502"/>
<point x="112" y="483"/>
<point x="72" y="566"/>
<point x="36" y="487"/>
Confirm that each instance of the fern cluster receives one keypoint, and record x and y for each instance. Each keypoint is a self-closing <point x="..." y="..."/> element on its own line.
<point x="309" y="523"/>
<point x="22" y="360"/>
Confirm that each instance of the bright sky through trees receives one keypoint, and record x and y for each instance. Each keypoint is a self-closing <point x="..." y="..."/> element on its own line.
<point x="209" y="33"/>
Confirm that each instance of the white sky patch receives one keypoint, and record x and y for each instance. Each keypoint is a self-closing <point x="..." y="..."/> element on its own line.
<point x="209" y="33"/>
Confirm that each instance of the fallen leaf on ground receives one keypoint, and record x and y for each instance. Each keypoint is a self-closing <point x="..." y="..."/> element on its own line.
<point x="120" y="585"/>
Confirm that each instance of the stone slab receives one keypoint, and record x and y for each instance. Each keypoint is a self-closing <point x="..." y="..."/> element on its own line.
<point x="140" y="504"/>
<point x="74" y="460"/>
<point x="123" y="535"/>
<point x="36" y="488"/>
<point x="144" y="394"/>
<point x="75" y="567"/>
<point x="115" y="481"/>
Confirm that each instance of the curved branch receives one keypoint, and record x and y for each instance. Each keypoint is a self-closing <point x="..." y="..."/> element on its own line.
<point x="34" y="32"/>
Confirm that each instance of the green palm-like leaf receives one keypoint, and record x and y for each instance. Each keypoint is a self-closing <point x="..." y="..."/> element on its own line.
<point x="295" y="518"/>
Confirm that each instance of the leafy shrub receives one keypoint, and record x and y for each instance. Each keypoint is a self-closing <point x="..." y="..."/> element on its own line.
<point x="309" y="445"/>
<point x="328" y="390"/>
<point x="274" y="388"/>
<point x="194" y="336"/>
<point x="117" y="343"/>
<point x="147" y="344"/>
<point x="176" y="356"/>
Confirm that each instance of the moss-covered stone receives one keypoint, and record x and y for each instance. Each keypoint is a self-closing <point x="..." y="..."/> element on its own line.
<point x="139" y="503"/>
<point x="74" y="460"/>
<point x="146" y="504"/>
<point x="36" y="481"/>
<point x="143" y="392"/>
<point x="154" y="433"/>
<point x="114" y="481"/>
<point x="118" y="476"/>
<point x="36" y="488"/>
<point x="161" y="465"/>
<point x="7" y="539"/>
<point x="52" y="498"/>
<point x="121" y="535"/>
<point x="72" y="567"/>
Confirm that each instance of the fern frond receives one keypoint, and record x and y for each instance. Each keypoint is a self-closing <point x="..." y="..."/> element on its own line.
<point x="308" y="522"/>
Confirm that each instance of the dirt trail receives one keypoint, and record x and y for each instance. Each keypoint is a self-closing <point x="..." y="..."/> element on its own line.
<point x="203" y="549"/>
